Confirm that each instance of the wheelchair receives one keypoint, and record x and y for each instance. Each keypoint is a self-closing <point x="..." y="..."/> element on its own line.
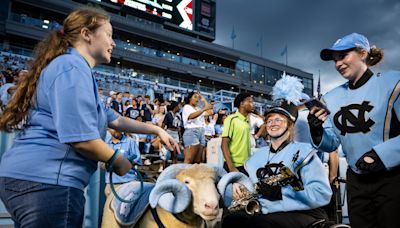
<point x="335" y="216"/>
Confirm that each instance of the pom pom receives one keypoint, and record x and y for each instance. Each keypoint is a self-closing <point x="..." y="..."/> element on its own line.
<point x="288" y="88"/>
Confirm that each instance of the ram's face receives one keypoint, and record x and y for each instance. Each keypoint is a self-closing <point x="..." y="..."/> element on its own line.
<point x="205" y="196"/>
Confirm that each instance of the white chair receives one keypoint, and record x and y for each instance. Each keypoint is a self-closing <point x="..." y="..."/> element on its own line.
<point x="214" y="153"/>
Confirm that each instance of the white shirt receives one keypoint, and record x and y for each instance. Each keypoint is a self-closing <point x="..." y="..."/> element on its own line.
<point x="209" y="129"/>
<point x="255" y="122"/>
<point x="192" y="123"/>
<point x="301" y="129"/>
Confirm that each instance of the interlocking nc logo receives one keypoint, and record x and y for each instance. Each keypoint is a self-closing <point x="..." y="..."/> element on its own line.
<point x="345" y="116"/>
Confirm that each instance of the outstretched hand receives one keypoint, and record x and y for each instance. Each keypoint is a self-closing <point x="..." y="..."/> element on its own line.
<point x="169" y="142"/>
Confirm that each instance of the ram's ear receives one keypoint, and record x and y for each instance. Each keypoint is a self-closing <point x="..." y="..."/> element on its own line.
<point x="228" y="180"/>
<point x="172" y="195"/>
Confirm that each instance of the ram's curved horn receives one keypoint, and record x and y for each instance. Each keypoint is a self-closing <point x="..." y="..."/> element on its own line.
<point x="220" y="172"/>
<point x="230" y="178"/>
<point x="172" y="195"/>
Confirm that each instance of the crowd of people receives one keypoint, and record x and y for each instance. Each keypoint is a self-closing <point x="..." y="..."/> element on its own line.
<point x="67" y="123"/>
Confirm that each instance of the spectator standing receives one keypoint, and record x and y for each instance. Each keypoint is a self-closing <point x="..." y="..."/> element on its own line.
<point x="117" y="104"/>
<point x="193" y="122"/>
<point x="236" y="135"/>
<point x="147" y="110"/>
<point x="132" y="110"/>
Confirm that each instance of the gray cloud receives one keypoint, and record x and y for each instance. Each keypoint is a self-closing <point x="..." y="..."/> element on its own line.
<point x="306" y="27"/>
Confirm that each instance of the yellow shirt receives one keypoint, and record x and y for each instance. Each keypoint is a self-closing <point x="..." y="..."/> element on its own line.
<point x="237" y="129"/>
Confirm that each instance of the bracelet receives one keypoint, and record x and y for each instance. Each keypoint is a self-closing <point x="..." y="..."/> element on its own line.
<point x="110" y="162"/>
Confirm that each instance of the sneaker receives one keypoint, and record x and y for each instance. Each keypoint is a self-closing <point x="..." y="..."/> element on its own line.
<point x="147" y="162"/>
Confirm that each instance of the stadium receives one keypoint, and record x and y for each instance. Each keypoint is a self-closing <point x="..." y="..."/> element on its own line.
<point x="152" y="48"/>
<point x="164" y="50"/>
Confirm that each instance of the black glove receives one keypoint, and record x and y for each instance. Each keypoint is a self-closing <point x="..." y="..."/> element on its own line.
<point x="314" y="122"/>
<point x="374" y="166"/>
<point x="271" y="193"/>
<point x="316" y="129"/>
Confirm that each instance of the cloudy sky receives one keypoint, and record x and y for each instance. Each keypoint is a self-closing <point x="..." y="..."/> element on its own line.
<point x="307" y="26"/>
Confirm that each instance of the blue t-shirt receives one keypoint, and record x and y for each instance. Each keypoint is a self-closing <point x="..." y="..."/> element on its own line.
<point x="68" y="109"/>
<point x="147" y="113"/>
<point x="130" y="150"/>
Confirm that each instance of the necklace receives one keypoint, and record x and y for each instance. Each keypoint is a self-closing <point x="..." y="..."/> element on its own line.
<point x="269" y="152"/>
<point x="271" y="149"/>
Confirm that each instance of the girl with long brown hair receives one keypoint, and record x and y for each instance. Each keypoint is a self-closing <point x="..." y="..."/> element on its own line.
<point x="62" y="124"/>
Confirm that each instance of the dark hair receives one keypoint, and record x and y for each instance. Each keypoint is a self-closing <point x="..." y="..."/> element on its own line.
<point x="172" y="106"/>
<point x="9" y="79"/>
<point x="239" y="98"/>
<point x="220" y="117"/>
<point x="55" y="44"/>
<point x="189" y="96"/>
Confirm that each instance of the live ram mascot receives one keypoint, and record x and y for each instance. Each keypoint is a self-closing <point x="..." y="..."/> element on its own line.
<point x="183" y="196"/>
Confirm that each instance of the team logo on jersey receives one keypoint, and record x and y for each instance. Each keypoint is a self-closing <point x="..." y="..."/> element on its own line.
<point x="347" y="122"/>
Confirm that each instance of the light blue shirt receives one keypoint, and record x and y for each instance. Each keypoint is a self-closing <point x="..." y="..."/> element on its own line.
<point x="317" y="191"/>
<point x="4" y="96"/>
<point x="130" y="150"/>
<point x="361" y="118"/>
<point x="68" y="109"/>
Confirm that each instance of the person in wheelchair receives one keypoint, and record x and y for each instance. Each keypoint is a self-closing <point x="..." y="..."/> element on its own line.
<point x="290" y="184"/>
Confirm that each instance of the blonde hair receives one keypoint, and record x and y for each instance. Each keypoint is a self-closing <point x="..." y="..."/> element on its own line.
<point x="290" y="125"/>
<point x="55" y="44"/>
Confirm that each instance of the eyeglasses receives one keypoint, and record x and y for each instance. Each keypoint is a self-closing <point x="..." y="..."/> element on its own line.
<point x="277" y="121"/>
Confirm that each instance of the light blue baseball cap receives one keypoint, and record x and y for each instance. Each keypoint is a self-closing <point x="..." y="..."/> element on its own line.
<point x="346" y="43"/>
